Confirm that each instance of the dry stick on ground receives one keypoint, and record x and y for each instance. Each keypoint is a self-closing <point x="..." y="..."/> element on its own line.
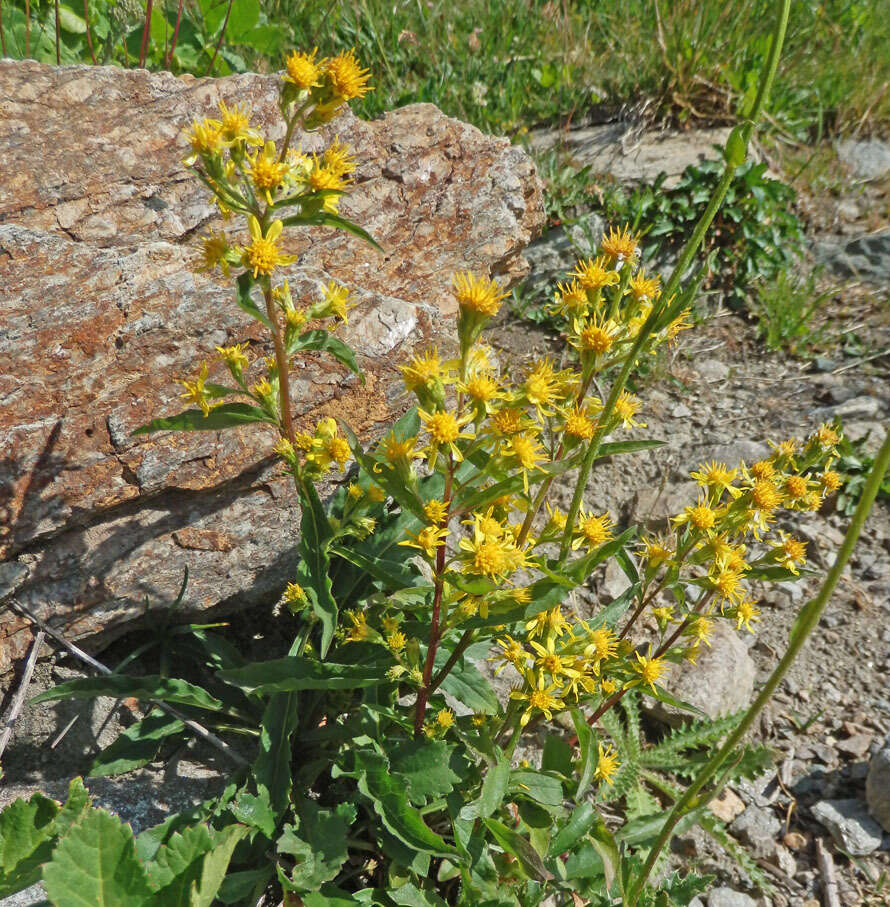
<point x="22" y="691"/>
<point x="199" y="729"/>
<point x="829" y="879"/>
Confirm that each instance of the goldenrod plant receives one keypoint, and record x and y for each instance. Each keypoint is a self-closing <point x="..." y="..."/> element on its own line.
<point x="384" y="768"/>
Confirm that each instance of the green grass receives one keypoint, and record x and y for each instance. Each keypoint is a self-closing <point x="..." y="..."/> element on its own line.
<point x="510" y="65"/>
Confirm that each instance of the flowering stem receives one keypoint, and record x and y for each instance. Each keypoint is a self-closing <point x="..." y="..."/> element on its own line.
<point x="465" y="642"/>
<point x="287" y="420"/>
<point x="806" y="622"/>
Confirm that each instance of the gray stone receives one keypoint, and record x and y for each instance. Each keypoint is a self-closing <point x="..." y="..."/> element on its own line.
<point x="719" y="683"/>
<point x="758" y="828"/>
<point x="868" y="159"/>
<point x="728" y="897"/>
<point x="866" y="257"/>
<point x="632" y="156"/>
<point x="877" y="785"/>
<point x="857" y="406"/>
<point x="738" y="452"/>
<point x="654" y="506"/>
<point x="850" y="825"/>
<point x="712" y="370"/>
<point x="615" y="581"/>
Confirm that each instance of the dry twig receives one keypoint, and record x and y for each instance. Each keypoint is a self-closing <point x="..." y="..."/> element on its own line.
<point x="22" y="691"/>
<point x="830" y="897"/>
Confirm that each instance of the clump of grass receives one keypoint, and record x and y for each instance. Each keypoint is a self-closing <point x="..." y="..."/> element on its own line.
<point x="786" y="310"/>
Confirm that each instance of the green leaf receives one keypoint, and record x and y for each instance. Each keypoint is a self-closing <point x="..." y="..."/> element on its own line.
<point x="227" y="415"/>
<point x="26" y="840"/>
<point x="494" y="789"/>
<point x="118" y="686"/>
<point x="294" y="672"/>
<point x="137" y="745"/>
<point x="409" y="895"/>
<point x="95" y="865"/>
<point x="468" y="685"/>
<point x="394" y="575"/>
<point x="71" y="21"/>
<point x="589" y="753"/>
<point x="315" y="532"/>
<point x="327" y="342"/>
<point x="215" y="867"/>
<point x="255" y="812"/>
<point x="390" y="801"/>
<point x="324" y="219"/>
<point x="177" y="863"/>
<point x="736" y="150"/>
<point x="245" y="284"/>
<point x="514" y="843"/>
<point x="606" y="846"/>
<point x="272" y="768"/>
<point x="539" y="786"/>
<point x="318" y="844"/>
<point x="426" y="765"/>
<point x="75" y="808"/>
<point x="557" y="755"/>
<point x="613" y="448"/>
<point x="579" y="823"/>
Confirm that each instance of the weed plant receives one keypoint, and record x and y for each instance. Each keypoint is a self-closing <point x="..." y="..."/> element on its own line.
<point x="384" y="770"/>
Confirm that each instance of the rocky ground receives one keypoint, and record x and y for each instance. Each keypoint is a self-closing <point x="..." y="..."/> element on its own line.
<point x="718" y="395"/>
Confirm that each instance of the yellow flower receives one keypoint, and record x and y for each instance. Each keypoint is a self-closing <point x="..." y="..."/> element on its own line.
<point x="789" y="552"/>
<point x="527" y="452"/>
<point x="359" y="631"/>
<point x="763" y="469"/>
<point x="702" y="628"/>
<point x="444" y="718"/>
<point x="197" y="393"/>
<point x="543" y="387"/>
<point x="234" y="357"/>
<point x="477" y="295"/>
<point x="626" y="407"/>
<point x="600" y="644"/>
<point x="423" y="371"/>
<point x="263" y="255"/>
<point x="594" y="274"/>
<point x="725" y="583"/>
<point x="619" y="244"/>
<point x="643" y="287"/>
<point x="338" y="449"/>
<point x="745" y="612"/>
<point x="595" y="336"/>
<point x="444" y="430"/>
<point x="797" y="488"/>
<point x="830" y="481"/>
<point x="571" y="300"/>
<point x="265" y="170"/>
<point x="649" y="669"/>
<point x="335" y="303"/>
<point x="337" y="159"/>
<point x="346" y="78"/>
<point x="295" y="594"/>
<point x="578" y="425"/>
<point x="206" y="139"/>
<point x="765" y="496"/>
<point x="399" y="452"/>
<point x="214" y="251"/>
<point x="488" y="556"/>
<point x="508" y="421"/>
<point x="396" y="641"/>
<point x="483" y="389"/>
<point x="700" y="516"/>
<point x="235" y="125"/>
<point x="436" y="511"/>
<point x="826" y="437"/>
<point x="591" y="530"/>
<point x="539" y="698"/>
<point x="607" y="763"/>
<point x="656" y="552"/>
<point x="549" y="661"/>
<point x="303" y="70"/>
<point x="428" y="540"/>
<point x="323" y="178"/>
<point x="512" y="654"/>
<point x="717" y="475"/>
<point x="548" y="622"/>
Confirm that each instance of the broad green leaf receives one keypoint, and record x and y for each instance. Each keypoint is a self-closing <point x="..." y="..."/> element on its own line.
<point x="323" y="219"/>
<point x="584" y="863"/>
<point x="26" y="840"/>
<point x="539" y="786"/>
<point x="256" y="812"/>
<point x="71" y="21"/>
<point x="514" y="843"/>
<point x="150" y="687"/>
<point x="557" y="755"/>
<point x="576" y="827"/>
<point x="409" y="895"/>
<point x="245" y="284"/>
<point x="327" y="342"/>
<point x="613" y="448"/>
<point x="227" y="415"/>
<point x="215" y="866"/>
<point x="75" y="808"/>
<point x="468" y="685"/>
<point x="662" y="695"/>
<point x="95" y="865"/>
<point x="606" y="846"/>
<point x="317" y="843"/>
<point x="426" y="765"/>
<point x="390" y="801"/>
<point x="494" y="789"/>
<point x="315" y="532"/>
<point x="177" y="863"/>
<point x="394" y="575"/>
<point x="294" y="672"/>
<point x="237" y="887"/>
<point x="137" y="745"/>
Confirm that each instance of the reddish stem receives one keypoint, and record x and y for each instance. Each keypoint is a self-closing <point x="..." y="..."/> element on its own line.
<point x="219" y="42"/>
<point x="86" y="18"/>
<point x="169" y="58"/>
<point x="58" y="37"/>
<point x="145" y="30"/>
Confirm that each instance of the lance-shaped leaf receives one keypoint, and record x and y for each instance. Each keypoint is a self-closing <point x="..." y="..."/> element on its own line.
<point x="245" y="284"/>
<point x="227" y="415"/>
<point x="138" y="744"/>
<point x="494" y="789"/>
<point x="513" y="842"/>
<point x="149" y="687"/>
<point x="294" y="672"/>
<point x="325" y="341"/>
<point x="324" y="219"/>
<point x="315" y="534"/>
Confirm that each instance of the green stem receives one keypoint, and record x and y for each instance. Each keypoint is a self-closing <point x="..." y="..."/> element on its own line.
<point x="806" y="622"/>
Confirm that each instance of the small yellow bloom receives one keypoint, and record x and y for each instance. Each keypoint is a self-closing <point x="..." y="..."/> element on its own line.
<point x="295" y="594"/>
<point x="607" y="763"/>
<point x="235" y="125"/>
<point x="346" y="78"/>
<point x="656" y="552"/>
<point x="830" y="481"/>
<point x="649" y="669"/>
<point x="601" y="644"/>
<point x="512" y="654"/>
<point x="206" y="139"/>
<point x="765" y="496"/>
<point x="643" y="287"/>
<point x="397" y="641"/>
<point x="444" y="718"/>
<point x="436" y="511"/>
<point x="265" y="170"/>
<point x="619" y="244"/>
<point x="444" y="430"/>
<point x="592" y="530"/>
<point x="626" y="408"/>
<point x="595" y="336"/>
<point x="578" y="425"/>
<point x="215" y="247"/>
<point x="539" y="699"/>
<point x="745" y="612"/>
<point x="234" y="357"/>
<point x="700" y="516"/>
<point x="594" y="274"/>
<point x="428" y="540"/>
<point x="263" y="255"/>
<point x="478" y="295"/>
<point x="717" y="476"/>
<point x="197" y="393"/>
<point x="303" y="70"/>
<point x="571" y="300"/>
<point x="548" y="622"/>
<point x="527" y="453"/>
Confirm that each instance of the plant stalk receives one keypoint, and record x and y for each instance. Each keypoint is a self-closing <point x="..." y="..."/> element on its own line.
<point x="806" y="622"/>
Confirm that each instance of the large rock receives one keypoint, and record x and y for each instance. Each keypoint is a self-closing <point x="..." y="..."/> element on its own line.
<point x="877" y="785"/>
<point x="101" y="312"/>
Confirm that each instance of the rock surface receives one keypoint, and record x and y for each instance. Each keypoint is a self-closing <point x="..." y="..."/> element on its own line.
<point x="850" y="825"/>
<point x="101" y="312"/>
<point x="877" y="785"/>
<point x="865" y="257"/>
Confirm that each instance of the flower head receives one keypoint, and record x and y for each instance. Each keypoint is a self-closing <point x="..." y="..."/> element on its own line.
<point x="649" y="669"/>
<point x="607" y="763"/>
<point x="196" y="392"/>
<point x="619" y="244"/>
<point x="594" y="274"/>
<point x="303" y="70"/>
<point x="263" y="255"/>
<point x="428" y="540"/>
<point x="266" y="172"/>
<point x="346" y="78"/>
<point x="480" y="296"/>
